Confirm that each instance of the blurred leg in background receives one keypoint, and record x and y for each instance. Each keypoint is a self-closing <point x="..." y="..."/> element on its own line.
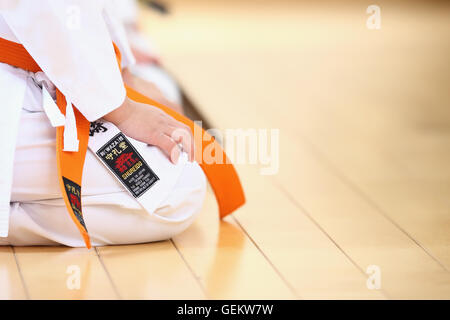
<point x="147" y="75"/>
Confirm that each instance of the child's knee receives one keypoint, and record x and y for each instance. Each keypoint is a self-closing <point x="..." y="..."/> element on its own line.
<point x="182" y="206"/>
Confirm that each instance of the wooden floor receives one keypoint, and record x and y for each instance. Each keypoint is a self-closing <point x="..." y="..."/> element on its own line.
<point x="364" y="175"/>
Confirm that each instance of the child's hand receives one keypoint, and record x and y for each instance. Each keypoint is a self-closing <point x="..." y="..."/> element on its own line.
<point x="151" y="125"/>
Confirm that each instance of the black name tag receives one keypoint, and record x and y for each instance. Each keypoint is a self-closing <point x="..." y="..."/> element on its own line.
<point x="128" y="165"/>
<point x="73" y="191"/>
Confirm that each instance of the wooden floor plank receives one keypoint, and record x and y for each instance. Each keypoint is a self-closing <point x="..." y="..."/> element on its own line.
<point x="150" y="271"/>
<point x="411" y="190"/>
<point x="307" y="258"/>
<point x="421" y="208"/>
<point x="53" y="273"/>
<point x="11" y="286"/>
<point x="226" y="262"/>
<point x="368" y="237"/>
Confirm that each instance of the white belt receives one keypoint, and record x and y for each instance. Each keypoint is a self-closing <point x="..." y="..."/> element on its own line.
<point x="53" y="113"/>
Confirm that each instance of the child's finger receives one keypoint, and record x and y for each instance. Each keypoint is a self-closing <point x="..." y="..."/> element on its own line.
<point x="183" y="136"/>
<point x="168" y="146"/>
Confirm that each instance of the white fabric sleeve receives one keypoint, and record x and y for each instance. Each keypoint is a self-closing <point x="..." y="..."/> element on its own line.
<point x="118" y="33"/>
<point x="70" y="42"/>
<point x="125" y="10"/>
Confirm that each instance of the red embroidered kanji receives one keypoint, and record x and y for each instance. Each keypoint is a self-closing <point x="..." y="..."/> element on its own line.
<point x="75" y="201"/>
<point x="125" y="161"/>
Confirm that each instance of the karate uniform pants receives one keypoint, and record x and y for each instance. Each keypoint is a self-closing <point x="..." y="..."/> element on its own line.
<point x="38" y="215"/>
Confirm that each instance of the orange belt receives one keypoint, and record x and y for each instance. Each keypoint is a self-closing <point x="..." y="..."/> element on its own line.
<point x="222" y="175"/>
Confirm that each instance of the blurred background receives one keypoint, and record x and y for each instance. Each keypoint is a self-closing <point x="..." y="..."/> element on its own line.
<point x="364" y="97"/>
<point x="363" y="108"/>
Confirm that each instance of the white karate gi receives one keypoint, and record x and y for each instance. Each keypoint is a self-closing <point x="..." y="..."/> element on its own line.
<point x="79" y="59"/>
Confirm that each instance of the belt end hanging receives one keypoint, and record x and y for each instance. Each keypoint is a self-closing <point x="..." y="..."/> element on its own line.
<point x="71" y="142"/>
